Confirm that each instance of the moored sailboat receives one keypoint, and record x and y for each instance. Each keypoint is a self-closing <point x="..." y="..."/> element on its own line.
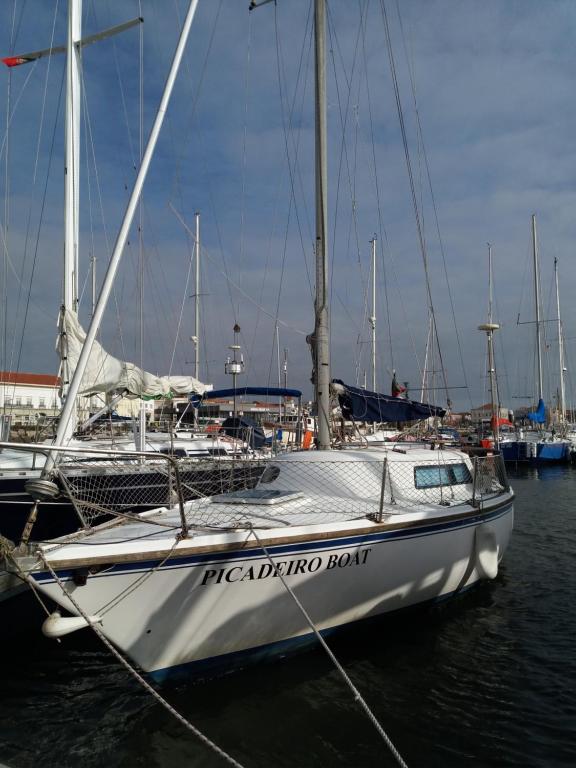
<point x="535" y="446"/>
<point x="326" y="538"/>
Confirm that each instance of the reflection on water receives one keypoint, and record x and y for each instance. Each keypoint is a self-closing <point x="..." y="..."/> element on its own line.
<point x="545" y="472"/>
<point x="487" y="679"/>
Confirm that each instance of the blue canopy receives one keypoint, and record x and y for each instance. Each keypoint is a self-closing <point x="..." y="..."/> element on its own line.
<point x="539" y="415"/>
<point x="361" y="405"/>
<point x="197" y="399"/>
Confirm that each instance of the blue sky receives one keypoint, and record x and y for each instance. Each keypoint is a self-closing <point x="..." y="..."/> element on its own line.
<point x="494" y="85"/>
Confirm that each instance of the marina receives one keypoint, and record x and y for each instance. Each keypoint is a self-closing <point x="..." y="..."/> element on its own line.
<point x="488" y="678"/>
<point x="300" y="568"/>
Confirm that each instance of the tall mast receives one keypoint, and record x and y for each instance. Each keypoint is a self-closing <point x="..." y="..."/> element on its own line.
<point x="562" y="398"/>
<point x="537" y="301"/>
<point x="71" y="175"/>
<point x="65" y="424"/>
<point x="372" y="318"/>
<point x="489" y="329"/>
<point x="197" y="303"/>
<point x="321" y="329"/>
<point x="72" y="156"/>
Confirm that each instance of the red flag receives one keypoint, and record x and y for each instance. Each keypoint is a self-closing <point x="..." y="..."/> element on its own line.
<point x="397" y="389"/>
<point x="15" y="61"/>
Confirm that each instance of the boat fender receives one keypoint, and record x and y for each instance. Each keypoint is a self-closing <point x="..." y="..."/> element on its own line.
<point x="486" y="551"/>
<point x="57" y="625"/>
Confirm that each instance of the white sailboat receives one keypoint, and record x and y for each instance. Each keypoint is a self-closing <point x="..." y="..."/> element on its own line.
<point x="326" y="539"/>
<point x="101" y="372"/>
<point x="536" y="446"/>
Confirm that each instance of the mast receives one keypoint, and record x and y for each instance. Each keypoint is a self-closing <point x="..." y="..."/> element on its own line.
<point x="65" y="425"/>
<point x="372" y="318"/>
<point x="197" y="303"/>
<point x="72" y="156"/>
<point x="489" y="329"/>
<point x="537" y="302"/>
<point x="562" y="398"/>
<point x="71" y="177"/>
<point x="321" y="328"/>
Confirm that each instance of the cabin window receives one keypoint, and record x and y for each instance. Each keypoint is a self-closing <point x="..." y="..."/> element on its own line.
<point x="445" y="474"/>
<point x="217" y="451"/>
<point x="179" y="453"/>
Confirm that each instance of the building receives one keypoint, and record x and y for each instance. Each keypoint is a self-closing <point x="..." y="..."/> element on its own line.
<point x="484" y="413"/>
<point x="29" y="396"/>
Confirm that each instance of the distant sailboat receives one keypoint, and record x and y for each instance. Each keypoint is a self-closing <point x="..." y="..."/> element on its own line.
<point x="535" y="447"/>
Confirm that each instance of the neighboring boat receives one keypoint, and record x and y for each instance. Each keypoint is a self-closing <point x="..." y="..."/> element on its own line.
<point x="537" y="446"/>
<point x="55" y="513"/>
<point x="326" y="538"/>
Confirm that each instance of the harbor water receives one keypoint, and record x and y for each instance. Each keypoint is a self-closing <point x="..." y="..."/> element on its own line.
<point x="487" y="679"/>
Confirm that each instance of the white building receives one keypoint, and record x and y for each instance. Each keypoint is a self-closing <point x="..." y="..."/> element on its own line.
<point x="27" y="395"/>
<point x="484" y="413"/>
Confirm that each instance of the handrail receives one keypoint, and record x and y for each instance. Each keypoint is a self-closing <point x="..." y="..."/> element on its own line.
<point x="47" y="449"/>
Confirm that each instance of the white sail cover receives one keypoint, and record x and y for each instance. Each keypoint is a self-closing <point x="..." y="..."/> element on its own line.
<point x="107" y="374"/>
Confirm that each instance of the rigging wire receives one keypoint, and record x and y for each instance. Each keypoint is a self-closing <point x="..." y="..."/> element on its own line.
<point x="412" y="188"/>
<point x="40" y="222"/>
<point x="344" y="112"/>
<point x="143" y="682"/>
<point x="293" y="168"/>
<point x="383" y="234"/>
<point x="381" y="228"/>
<point x="211" y="258"/>
<point x="433" y="200"/>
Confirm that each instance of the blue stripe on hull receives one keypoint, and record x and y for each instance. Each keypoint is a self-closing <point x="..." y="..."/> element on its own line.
<point x="287" y="549"/>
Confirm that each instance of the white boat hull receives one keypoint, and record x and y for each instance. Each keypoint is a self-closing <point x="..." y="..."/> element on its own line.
<point x="206" y="610"/>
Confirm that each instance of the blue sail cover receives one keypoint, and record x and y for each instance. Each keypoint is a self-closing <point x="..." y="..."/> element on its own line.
<point x="362" y="405"/>
<point x="539" y="415"/>
<point x="197" y="399"/>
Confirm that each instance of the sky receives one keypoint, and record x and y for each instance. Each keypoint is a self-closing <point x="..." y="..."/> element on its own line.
<point x="491" y="85"/>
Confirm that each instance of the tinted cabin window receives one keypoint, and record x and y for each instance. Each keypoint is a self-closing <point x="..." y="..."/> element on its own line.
<point x="178" y="452"/>
<point x="445" y="474"/>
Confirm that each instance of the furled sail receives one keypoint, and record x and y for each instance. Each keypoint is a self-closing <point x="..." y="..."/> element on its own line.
<point x="362" y="405"/>
<point x="107" y="374"/>
<point x="539" y="415"/>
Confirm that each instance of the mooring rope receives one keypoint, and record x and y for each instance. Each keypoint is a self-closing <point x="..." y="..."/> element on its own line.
<point x="138" y="677"/>
<point x="357" y="695"/>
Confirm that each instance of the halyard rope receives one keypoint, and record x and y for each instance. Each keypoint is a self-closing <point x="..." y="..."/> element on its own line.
<point x="357" y="695"/>
<point x="143" y="682"/>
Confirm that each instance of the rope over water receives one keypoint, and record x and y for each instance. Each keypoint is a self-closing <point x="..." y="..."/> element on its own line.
<point x="357" y="695"/>
<point x="138" y="677"/>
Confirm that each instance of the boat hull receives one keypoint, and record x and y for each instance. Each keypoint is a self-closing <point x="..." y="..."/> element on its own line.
<point x="206" y="613"/>
<point x="535" y="452"/>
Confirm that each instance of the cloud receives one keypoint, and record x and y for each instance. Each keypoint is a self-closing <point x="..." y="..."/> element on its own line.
<point x="493" y="83"/>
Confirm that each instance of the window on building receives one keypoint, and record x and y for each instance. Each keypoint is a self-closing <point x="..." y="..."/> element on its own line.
<point x="29" y="402"/>
<point x="18" y="401"/>
<point x="42" y="402"/>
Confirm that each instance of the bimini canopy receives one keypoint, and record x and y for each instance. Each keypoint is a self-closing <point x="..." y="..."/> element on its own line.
<point x="197" y="398"/>
<point x="361" y="405"/>
<point x="539" y="415"/>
